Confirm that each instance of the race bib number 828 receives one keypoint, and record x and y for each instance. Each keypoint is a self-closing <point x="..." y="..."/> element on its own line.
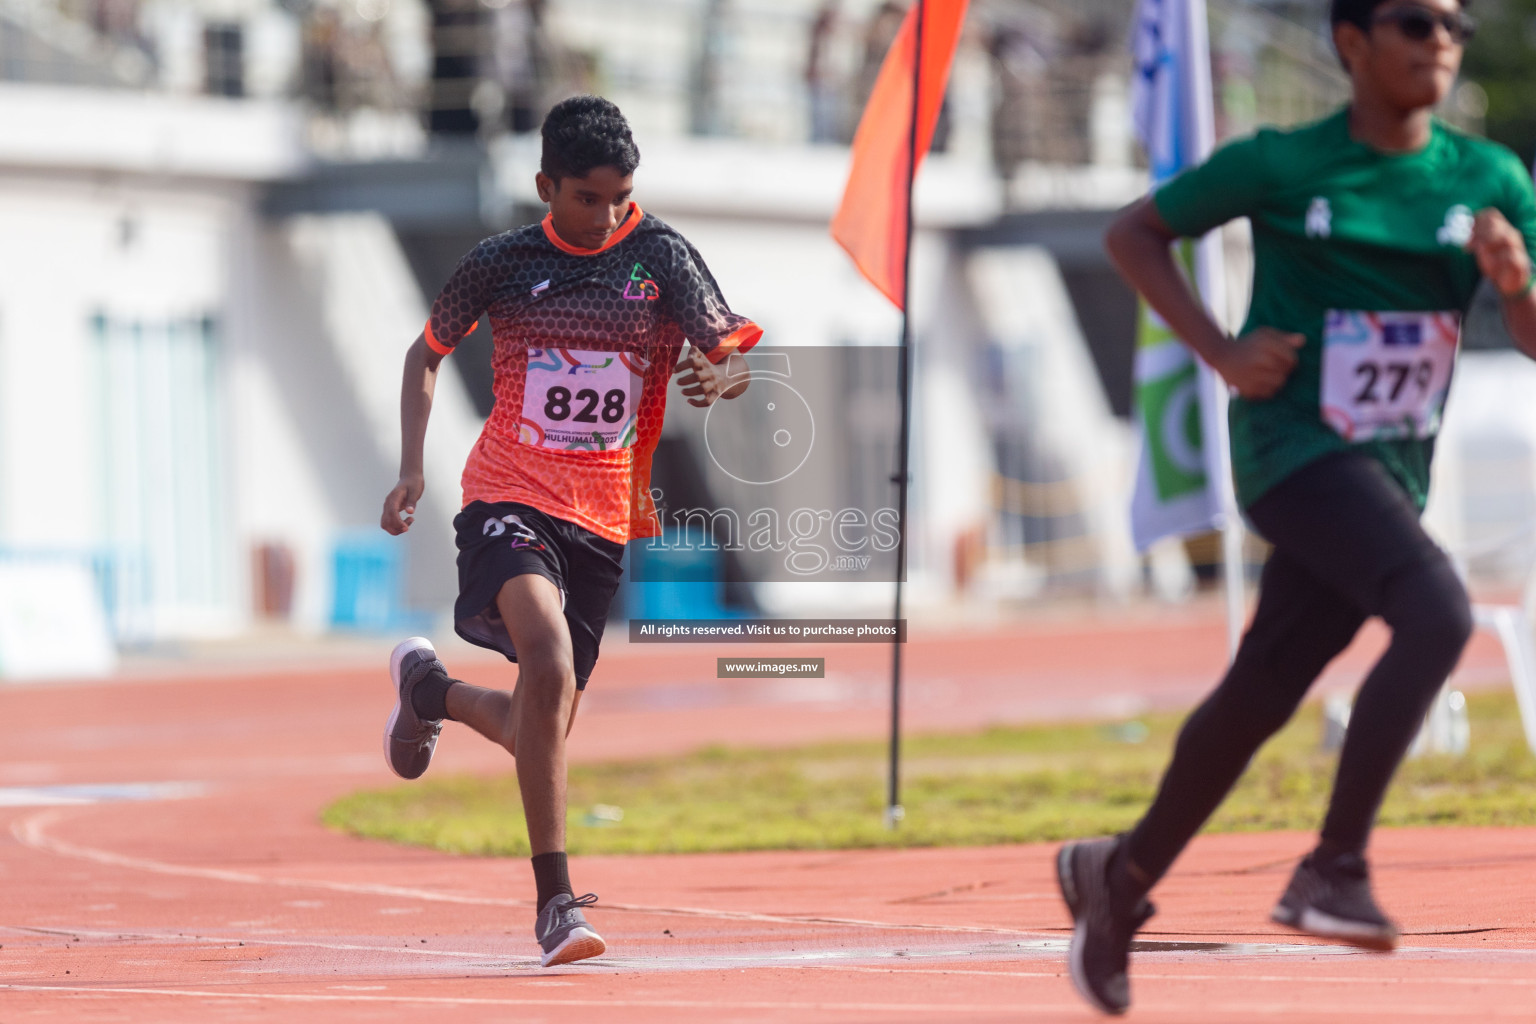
<point x="578" y="400"/>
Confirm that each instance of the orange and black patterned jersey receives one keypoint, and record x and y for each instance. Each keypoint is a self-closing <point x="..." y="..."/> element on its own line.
<point x="585" y="342"/>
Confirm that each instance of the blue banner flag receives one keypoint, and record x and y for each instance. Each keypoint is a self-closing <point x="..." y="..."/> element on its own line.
<point x="1182" y="480"/>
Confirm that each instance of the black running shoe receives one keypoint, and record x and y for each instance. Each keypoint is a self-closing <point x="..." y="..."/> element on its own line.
<point x="1332" y="899"/>
<point x="1102" y="928"/>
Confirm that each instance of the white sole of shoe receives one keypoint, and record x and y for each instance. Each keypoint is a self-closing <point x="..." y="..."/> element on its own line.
<point x="1325" y="926"/>
<point x="1080" y="974"/>
<point x="580" y="944"/>
<point x="404" y="647"/>
<point x="1075" y="965"/>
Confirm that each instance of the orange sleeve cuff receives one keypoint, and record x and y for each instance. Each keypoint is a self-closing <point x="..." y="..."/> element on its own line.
<point x="432" y="342"/>
<point x="739" y="340"/>
<point x="439" y="347"/>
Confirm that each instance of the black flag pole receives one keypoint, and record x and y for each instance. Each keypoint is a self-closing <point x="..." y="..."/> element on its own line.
<point x="894" y="812"/>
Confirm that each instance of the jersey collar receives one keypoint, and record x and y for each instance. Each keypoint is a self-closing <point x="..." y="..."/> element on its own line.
<point x="631" y="222"/>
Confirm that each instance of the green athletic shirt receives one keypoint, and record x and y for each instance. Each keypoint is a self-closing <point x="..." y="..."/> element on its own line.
<point x="1338" y="225"/>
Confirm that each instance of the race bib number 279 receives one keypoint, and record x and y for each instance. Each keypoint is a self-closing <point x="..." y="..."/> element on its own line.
<point x="579" y="400"/>
<point x="1386" y="375"/>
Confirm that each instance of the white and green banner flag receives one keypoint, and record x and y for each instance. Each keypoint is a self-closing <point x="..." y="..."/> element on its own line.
<point x="1182" y="480"/>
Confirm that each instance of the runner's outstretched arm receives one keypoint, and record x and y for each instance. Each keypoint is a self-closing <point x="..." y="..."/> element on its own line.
<point x="1504" y="261"/>
<point x="416" y="388"/>
<point x="1257" y="365"/>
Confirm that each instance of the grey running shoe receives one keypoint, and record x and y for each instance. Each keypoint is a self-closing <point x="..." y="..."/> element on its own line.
<point x="563" y="932"/>
<point x="1332" y="899"/>
<point x="1102" y="929"/>
<point x="409" y="740"/>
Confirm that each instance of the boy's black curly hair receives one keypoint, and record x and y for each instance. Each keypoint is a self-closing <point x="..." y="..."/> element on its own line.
<point x="584" y="132"/>
<point x="1358" y="12"/>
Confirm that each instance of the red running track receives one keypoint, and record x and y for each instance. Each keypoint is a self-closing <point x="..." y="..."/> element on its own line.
<point x="213" y="894"/>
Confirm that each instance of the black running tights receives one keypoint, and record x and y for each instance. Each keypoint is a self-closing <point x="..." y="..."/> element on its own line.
<point x="1348" y="545"/>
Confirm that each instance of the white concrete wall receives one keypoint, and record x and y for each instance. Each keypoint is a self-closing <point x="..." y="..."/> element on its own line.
<point x="134" y="253"/>
<point x="313" y="320"/>
<point x="326" y="310"/>
<point x="144" y="213"/>
<point x="68" y="128"/>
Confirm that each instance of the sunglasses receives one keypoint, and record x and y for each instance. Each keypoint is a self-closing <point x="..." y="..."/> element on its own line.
<point x="1419" y="23"/>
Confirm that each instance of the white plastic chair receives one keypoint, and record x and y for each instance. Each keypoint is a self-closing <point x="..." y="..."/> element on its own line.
<point x="1514" y="626"/>
<point x="1444" y="728"/>
<point x="1485" y="457"/>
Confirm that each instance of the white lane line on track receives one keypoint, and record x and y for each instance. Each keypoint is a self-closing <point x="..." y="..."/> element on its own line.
<point x="499" y="962"/>
<point x="705" y="961"/>
<point x="775" y="961"/>
<point x="496" y="961"/>
<point x="251" y="941"/>
<point x="672" y="1004"/>
<point x="33" y="832"/>
<point x="493" y="960"/>
<point x="1246" y="1009"/>
<point x="1143" y="975"/>
<point x="76" y="795"/>
<point x="909" y="960"/>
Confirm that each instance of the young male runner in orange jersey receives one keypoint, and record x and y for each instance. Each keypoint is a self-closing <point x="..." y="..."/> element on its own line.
<point x="589" y="311"/>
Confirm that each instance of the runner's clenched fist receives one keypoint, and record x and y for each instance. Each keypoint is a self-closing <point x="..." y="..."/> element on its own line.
<point x="1257" y="364"/>
<point x="1501" y="253"/>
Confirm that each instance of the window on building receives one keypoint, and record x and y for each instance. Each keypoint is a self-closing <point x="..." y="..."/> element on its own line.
<point x="224" y="59"/>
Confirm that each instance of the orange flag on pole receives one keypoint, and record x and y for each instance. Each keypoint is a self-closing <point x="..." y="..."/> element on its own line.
<point x="871" y="221"/>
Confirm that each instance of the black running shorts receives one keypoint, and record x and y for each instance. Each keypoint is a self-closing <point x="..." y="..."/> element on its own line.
<point x="506" y="539"/>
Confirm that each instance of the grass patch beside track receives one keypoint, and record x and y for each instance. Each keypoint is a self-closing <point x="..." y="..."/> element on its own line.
<point x="1000" y="786"/>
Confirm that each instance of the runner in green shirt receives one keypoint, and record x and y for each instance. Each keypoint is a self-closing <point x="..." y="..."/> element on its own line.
<point x="1371" y="228"/>
<point x="1377" y="239"/>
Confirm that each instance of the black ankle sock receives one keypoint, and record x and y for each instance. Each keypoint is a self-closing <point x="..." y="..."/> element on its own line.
<point x="429" y="697"/>
<point x="552" y="877"/>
